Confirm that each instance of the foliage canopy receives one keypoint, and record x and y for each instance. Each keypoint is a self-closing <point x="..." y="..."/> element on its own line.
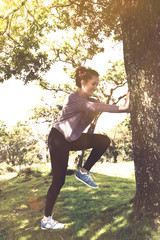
<point x="34" y="34"/>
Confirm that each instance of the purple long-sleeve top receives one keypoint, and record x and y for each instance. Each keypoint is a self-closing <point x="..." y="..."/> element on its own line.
<point x="78" y="113"/>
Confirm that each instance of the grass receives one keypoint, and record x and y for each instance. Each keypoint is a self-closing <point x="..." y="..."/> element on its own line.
<point x="89" y="214"/>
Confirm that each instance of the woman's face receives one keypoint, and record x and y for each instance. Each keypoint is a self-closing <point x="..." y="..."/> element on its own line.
<point x="89" y="87"/>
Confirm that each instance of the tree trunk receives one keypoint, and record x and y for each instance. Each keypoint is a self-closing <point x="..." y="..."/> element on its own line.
<point x="140" y="21"/>
<point x="80" y="159"/>
<point x="115" y="155"/>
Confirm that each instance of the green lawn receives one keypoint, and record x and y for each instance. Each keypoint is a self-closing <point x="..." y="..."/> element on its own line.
<point x="89" y="214"/>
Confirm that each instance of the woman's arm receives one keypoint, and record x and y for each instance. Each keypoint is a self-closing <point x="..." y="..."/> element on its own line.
<point x="102" y="107"/>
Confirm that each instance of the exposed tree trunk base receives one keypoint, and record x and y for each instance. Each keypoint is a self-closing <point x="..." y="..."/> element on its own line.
<point x="152" y="221"/>
<point x="143" y="210"/>
<point x="131" y="201"/>
<point x="139" y="214"/>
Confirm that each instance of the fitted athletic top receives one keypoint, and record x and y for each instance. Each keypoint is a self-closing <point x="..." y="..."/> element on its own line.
<point x="78" y="112"/>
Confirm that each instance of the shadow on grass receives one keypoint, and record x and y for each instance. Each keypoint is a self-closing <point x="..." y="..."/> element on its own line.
<point x="89" y="214"/>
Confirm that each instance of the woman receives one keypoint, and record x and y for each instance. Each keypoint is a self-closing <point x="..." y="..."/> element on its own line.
<point x="66" y="135"/>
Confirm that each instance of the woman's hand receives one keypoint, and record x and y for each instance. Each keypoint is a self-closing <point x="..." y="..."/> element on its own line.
<point x="125" y="107"/>
<point x="127" y="101"/>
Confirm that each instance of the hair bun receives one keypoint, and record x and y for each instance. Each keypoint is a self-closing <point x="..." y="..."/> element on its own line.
<point x="83" y="73"/>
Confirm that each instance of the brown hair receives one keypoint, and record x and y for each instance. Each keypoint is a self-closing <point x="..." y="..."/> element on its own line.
<point x="83" y="73"/>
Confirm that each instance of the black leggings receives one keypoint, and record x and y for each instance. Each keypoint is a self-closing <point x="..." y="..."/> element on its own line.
<point x="59" y="149"/>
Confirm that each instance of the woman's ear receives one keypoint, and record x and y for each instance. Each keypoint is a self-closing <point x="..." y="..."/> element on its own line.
<point x="82" y="82"/>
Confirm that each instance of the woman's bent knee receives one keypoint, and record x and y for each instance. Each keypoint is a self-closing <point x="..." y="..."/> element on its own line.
<point x="106" y="141"/>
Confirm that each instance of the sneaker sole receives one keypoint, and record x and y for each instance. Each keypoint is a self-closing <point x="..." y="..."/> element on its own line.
<point x="44" y="228"/>
<point x="84" y="182"/>
<point x="51" y="228"/>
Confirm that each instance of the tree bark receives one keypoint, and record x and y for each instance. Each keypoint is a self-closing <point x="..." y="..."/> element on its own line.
<point x="140" y="21"/>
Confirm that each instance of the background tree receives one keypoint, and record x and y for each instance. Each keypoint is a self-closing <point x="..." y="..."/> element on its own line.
<point x="18" y="145"/>
<point x="3" y="134"/>
<point x="121" y="142"/>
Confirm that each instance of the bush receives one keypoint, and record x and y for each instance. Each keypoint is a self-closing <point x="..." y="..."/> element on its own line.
<point x="2" y="171"/>
<point x="26" y="171"/>
<point x="27" y="174"/>
<point x="10" y="169"/>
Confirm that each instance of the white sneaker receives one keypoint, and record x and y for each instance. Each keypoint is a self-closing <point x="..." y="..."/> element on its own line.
<point x="50" y="223"/>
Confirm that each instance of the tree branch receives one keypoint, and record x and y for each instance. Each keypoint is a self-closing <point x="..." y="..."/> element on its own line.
<point x="64" y="5"/>
<point x="119" y="99"/>
<point x="108" y="96"/>
<point x="7" y="17"/>
<point x="15" y="10"/>
<point x="28" y="11"/>
<point x="59" y="89"/>
<point x="13" y="39"/>
<point x="7" y="24"/>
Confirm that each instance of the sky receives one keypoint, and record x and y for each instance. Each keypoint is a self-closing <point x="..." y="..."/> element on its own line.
<point x="17" y="99"/>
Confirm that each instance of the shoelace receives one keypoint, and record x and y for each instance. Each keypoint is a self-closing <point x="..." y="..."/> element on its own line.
<point x="91" y="175"/>
<point x="53" y="222"/>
